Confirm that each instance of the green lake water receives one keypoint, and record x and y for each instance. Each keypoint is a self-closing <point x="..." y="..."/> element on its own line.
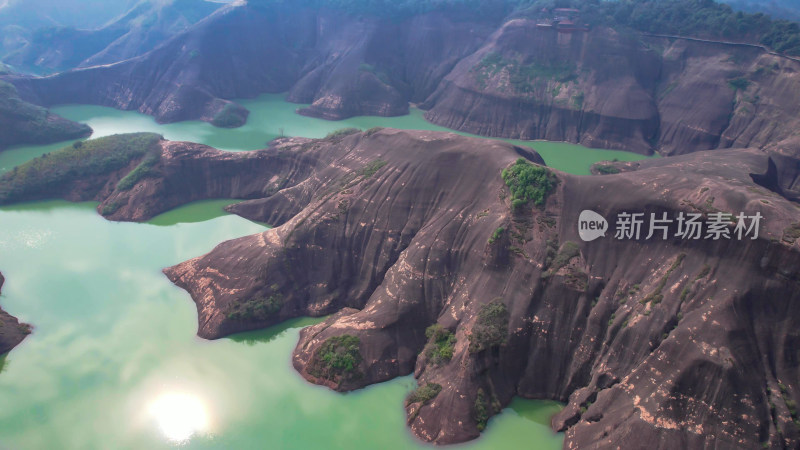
<point x="271" y="116"/>
<point x="114" y="361"/>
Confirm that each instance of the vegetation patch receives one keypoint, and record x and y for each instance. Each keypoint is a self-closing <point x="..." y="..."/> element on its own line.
<point x="739" y="83"/>
<point x="491" y="327"/>
<point x="656" y="296"/>
<point x="257" y="308"/>
<point x="699" y="18"/>
<point x="528" y="183"/>
<point x="703" y="272"/>
<point x="424" y="394"/>
<point x="481" y="410"/>
<point x="340" y="133"/>
<point x="577" y="100"/>
<point x="142" y="171"/>
<point x="379" y="74"/>
<point x="371" y="168"/>
<point x="230" y="116"/>
<point x="111" y="207"/>
<point x="606" y="169"/>
<point x="373" y="130"/>
<point x="353" y="178"/>
<point x="337" y="358"/>
<point x="441" y="344"/>
<point x="792" y="233"/>
<point x="700" y="275"/>
<point x="26" y="123"/>
<point x="578" y="279"/>
<point x="524" y="78"/>
<point x="546" y="222"/>
<point x="50" y="172"/>
<point x="497" y="234"/>
<point x="568" y="251"/>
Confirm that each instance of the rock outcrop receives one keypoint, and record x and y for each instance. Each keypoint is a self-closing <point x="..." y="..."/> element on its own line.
<point x="12" y="332"/>
<point x="392" y="232"/>
<point x="600" y="88"/>
<point x="607" y="89"/>
<point x="650" y="342"/>
<point x="341" y="65"/>
<point x="137" y="176"/>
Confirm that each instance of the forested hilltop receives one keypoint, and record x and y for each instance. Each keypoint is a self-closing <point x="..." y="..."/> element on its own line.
<point x="785" y="9"/>
<point x="697" y="18"/>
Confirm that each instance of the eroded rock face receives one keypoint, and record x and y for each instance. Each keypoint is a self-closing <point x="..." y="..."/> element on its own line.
<point x="229" y="55"/>
<point x="650" y="342"/>
<point x="12" y="332"/>
<point x="595" y="88"/>
<point x="604" y="89"/>
<point x="599" y="88"/>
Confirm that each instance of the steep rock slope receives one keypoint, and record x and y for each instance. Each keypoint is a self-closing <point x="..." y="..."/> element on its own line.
<point x="601" y="88"/>
<point x="185" y="78"/>
<point x="651" y="342"/>
<point x="341" y="65"/>
<point x="646" y="351"/>
<point x="533" y="84"/>
<point x="606" y="89"/>
<point x="375" y="67"/>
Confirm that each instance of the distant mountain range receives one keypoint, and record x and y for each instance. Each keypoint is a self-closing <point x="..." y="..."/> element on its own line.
<point x="68" y="13"/>
<point x="61" y="41"/>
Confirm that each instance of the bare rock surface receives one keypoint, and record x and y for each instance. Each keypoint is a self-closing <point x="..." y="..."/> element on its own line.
<point x="12" y="332"/>
<point x="650" y="342"/>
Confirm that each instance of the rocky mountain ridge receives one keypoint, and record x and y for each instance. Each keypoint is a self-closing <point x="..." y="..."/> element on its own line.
<point x="692" y="344"/>
<point x="600" y="88"/>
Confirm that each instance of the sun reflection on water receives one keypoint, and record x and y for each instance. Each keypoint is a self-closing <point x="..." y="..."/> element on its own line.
<point x="179" y="415"/>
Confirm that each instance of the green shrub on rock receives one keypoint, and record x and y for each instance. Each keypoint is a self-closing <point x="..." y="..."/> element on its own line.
<point x="491" y="327"/>
<point x="481" y="410"/>
<point x="528" y="183"/>
<point x="256" y="308"/>
<point x="425" y="393"/>
<point x="337" y="358"/>
<point x="441" y="344"/>
<point x="230" y="116"/>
